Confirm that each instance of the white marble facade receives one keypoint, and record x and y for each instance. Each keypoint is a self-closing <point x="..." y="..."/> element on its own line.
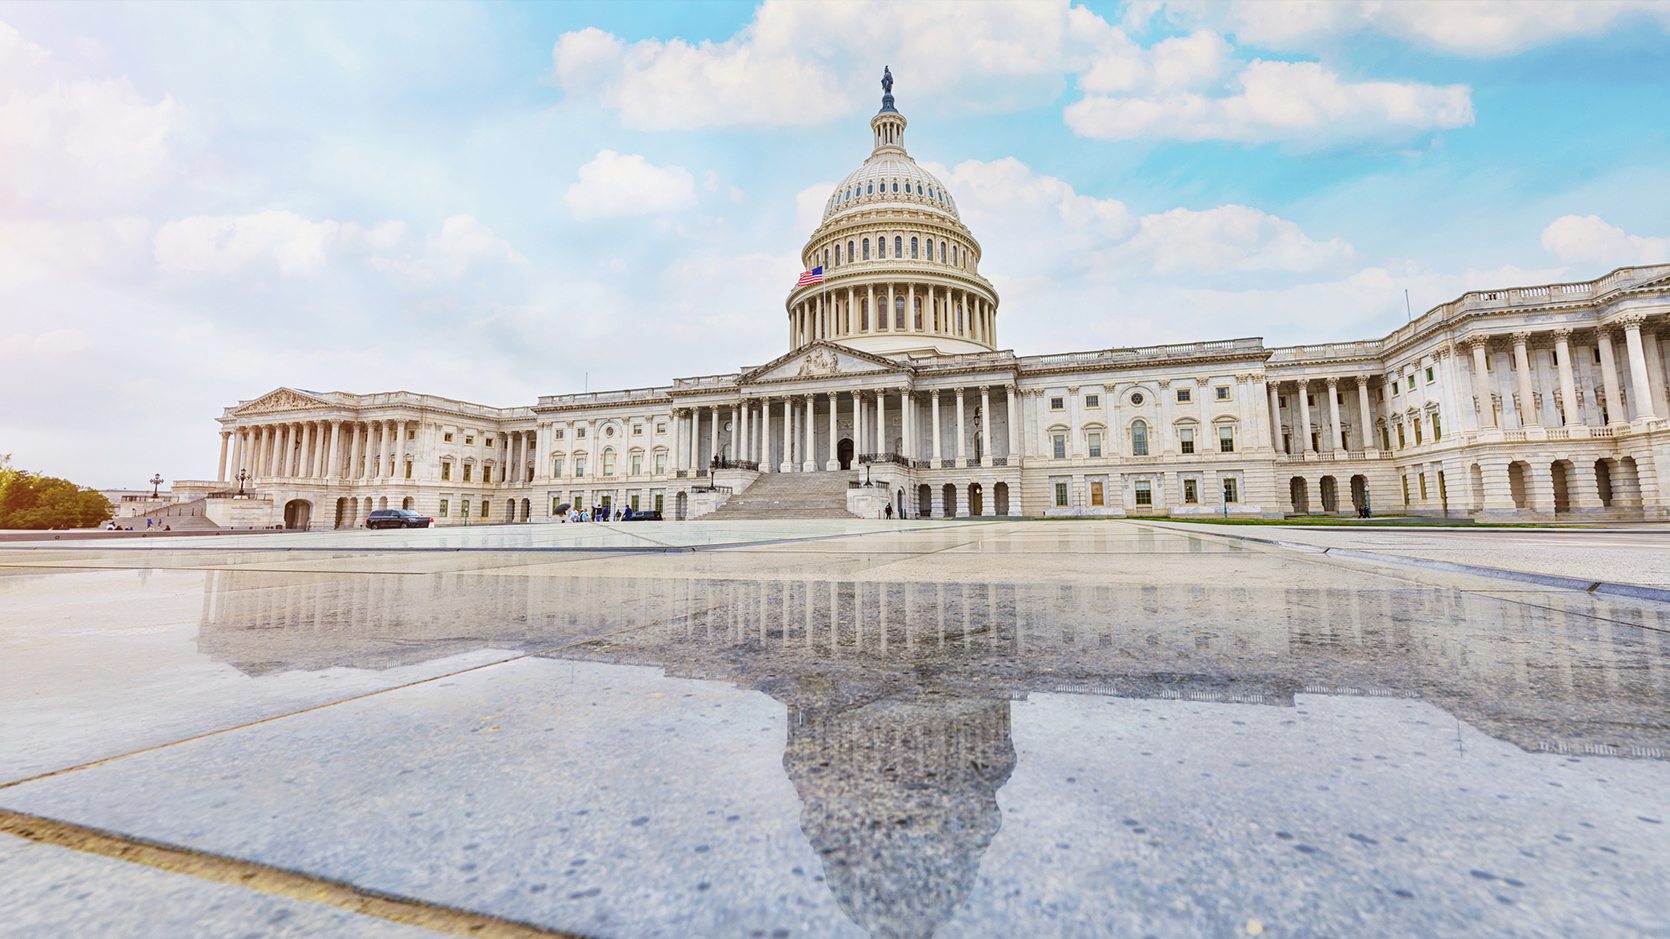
<point x="1526" y="401"/>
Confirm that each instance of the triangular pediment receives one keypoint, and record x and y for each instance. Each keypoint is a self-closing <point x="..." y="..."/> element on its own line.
<point x="821" y="360"/>
<point x="282" y="399"/>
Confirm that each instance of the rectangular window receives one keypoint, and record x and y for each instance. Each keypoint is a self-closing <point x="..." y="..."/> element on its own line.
<point x="1401" y="442"/>
<point x="408" y="469"/>
<point x="1422" y="479"/>
<point x="1411" y="383"/>
<point x="1232" y="490"/>
<point x="580" y="464"/>
<point x="1145" y="492"/>
<point x="1185" y="395"/>
<point x="1405" y="490"/>
<point x="446" y="438"/>
<point x="1059" y="443"/>
<point x="660" y="464"/>
<point x="489" y="443"/>
<point x="484" y="511"/>
<point x="580" y="432"/>
<point x="559" y="433"/>
<point x="467" y="469"/>
<point x="443" y="501"/>
<point x="411" y="435"/>
<point x="1310" y="400"/>
<point x="1057" y="404"/>
<point x="1417" y="424"/>
<point x="1186" y="439"/>
<point x="1191" y="491"/>
<point x="1391" y="380"/>
<point x="1437" y="431"/>
<point x="556" y="468"/>
<point x="1096" y="495"/>
<point x="1596" y="351"/>
<point x="1223" y="392"/>
<point x="658" y="498"/>
<point x="555" y="501"/>
<point x="1429" y="375"/>
<point x="446" y="471"/>
<point x="1226" y="439"/>
<point x="634" y="503"/>
<point x="637" y="430"/>
<point x="1092" y="401"/>
<point x="1060" y="495"/>
<point x="469" y="440"/>
<point x="1139" y="439"/>
<point x="1380" y="394"/>
<point x="660" y="428"/>
<point x="1095" y="446"/>
<point x="637" y="464"/>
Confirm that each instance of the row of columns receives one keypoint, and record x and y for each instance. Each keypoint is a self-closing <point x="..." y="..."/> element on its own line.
<point x="313" y="449"/>
<point x="789" y="423"/>
<point x="1302" y="390"/>
<point x="872" y="309"/>
<point x="1640" y="374"/>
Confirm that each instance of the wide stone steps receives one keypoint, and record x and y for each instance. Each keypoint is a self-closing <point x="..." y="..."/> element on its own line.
<point x="789" y="495"/>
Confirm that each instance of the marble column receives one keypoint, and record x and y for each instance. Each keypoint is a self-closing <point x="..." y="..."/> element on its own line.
<point x="1640" y="384"/>
<point x="962" y="449"/>
<point x="1616" y="412"/>
<point x="884" y="443"/>
<point x="1304" y="416"/>
<point x="1481" y="379"/>
<point x="334" y="454"/>
<point x="1568" y="384"/>
<point x="225" y="445"/>
<point x="1367" y="410"/>
<point x="238" y="436"/>
<point x="907" y="424"/>
<point x="934" y="401"/>
<point x="1333" y="414"/>
<point x="1527" y="398"/>
<point x="985" y="425"/>
<point x="712" y="434"/>
<point x="834" y="461"/>
<point x="1010" y="436"/>
<point x="1275" y="414"/>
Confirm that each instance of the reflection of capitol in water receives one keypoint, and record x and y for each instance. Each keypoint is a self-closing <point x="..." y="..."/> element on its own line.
<point x="898" y="694"/>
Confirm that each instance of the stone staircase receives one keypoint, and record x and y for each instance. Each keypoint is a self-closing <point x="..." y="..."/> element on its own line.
<point x="789" y="495"/>
<point x="178" y="516"/>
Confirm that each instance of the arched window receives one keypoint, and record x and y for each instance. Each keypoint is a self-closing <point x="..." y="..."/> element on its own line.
<point x="872" y="190"/>
<point x="850" y="256"/>
<point x="556" y="467"/>
<point x="579" y="464"/>
<point x="918" y="313"/>
<point x="953" y="255"/>
<point x="864" y="313"/>
<point x="826" y="257"/>
<point x="866" y="249"/>
<point x="959" y="319"/>
<point x="895" y="185"/>
<point x="913" y="249"/>
<point x="942" y="252"/>
<point x="837" y="254"/>
<point x="898" y="247"/>
<point x="1139" y="438"/>
<point x="609" y="461"/>
<point x="930" y="249"/>
<point x="899" y="313"/>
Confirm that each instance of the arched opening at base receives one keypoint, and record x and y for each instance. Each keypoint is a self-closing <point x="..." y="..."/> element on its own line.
<point x="1299" y="494"/>
<point x="407" y="502"/>
<point x="298" y="514"/>
<point x="681" y="506"/>
<point x="1000" y="498"/>
<point x="976" y="499"/>
<point x="1562" y="485"/>
<point x="843" y="452"/>
<point x="1603" y="481"/>
<point x="1359" y="492"/>
<point x="343" y="514"/>
<point x="949" y="494"/>
<point x="924" y="501"/>
<point x="527" y="510"/>
<point x="1517" y="472"/>
<point x="1330" y="495"/>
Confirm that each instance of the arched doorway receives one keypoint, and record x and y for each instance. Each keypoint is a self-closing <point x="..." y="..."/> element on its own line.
<point x="899" y="504"/>
<point x="383" y="503"/>
<point x="1603" y="481"/>
<point x="976" y="499"/>
<point x="681" y="506"/>
<point x="843" y="452"/>
<point x="1330" y="494"/>
<point x="1000" y="498"/>
<point x="527" y="510"/>
<point x="1359" y="491"/>
<point x="406" y="503"/>
<point x="1475" y="477"/>
<point x="1516" y="483"/>
<point x="949" y="494"/>
<point x="924" y="501"/>
<point x="1562" y="486"/>
<point x="298" y="514"/>
<point x="1299" y="493"/>
<point x="342" y="514"/>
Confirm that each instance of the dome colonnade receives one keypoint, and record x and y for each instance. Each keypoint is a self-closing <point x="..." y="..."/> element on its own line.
<point x="900" y="269"/>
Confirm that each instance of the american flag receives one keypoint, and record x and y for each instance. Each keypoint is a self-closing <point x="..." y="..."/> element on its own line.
<point x="813" y="276"/>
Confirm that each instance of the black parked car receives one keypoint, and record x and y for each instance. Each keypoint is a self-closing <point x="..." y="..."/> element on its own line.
<point x="643" y="515"/>
<point x="397" y="518"/>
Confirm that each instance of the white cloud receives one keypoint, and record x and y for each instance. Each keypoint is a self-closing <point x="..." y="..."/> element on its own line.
<point x="1589" y="238"/>
<point x="1228" y="238"/>
<point x="1479" y="28"/>
<point x="34" y="250"/>
<point x="79" y="144"/>
<point x="462" y="243"/>
<point x="1279" y="101"/>
<point x="809" y="204"/>
<point x="224" y="245"/>
<point x="612" y="185"/>
<point x="1032" y="225"/>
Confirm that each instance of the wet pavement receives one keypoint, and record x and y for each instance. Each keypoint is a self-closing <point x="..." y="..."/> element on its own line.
<point x="832" y="729"/>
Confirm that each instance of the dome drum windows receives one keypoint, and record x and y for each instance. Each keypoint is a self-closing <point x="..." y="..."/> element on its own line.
<point x="866" y="249"/>
<point x="898" y="246"/>
<point x="913" y="256"/>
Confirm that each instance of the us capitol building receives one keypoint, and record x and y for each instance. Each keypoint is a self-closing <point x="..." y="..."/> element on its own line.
<point x="895" y="389"/>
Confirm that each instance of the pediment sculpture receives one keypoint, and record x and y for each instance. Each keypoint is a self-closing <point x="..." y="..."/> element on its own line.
<point x="821" y="362"/>
<point x="281" y="400"/>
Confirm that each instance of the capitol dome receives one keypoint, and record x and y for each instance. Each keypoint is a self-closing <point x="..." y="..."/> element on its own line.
<point x="900" y="269"/>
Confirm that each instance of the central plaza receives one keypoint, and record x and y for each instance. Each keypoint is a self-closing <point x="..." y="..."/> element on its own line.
<point x="837" y="728"/>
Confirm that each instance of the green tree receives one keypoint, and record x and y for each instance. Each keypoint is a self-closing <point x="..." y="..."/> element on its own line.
<point x="30" y="501"/>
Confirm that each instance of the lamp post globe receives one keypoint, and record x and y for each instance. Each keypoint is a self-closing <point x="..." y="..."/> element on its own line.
<point x="156" y="484"/>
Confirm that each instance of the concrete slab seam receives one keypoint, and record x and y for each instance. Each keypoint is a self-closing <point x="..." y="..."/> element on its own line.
<point x="262" y="878"/>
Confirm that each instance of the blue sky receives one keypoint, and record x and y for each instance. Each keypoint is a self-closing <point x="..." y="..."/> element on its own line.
<point x="200" y="202"/>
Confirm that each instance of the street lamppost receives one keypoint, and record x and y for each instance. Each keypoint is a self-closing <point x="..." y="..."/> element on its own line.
<point x="156" y="483"/>
<point x="241" y="477"/>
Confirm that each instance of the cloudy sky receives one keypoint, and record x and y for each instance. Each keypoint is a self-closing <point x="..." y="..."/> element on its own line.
<point x="201" y="202"/>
